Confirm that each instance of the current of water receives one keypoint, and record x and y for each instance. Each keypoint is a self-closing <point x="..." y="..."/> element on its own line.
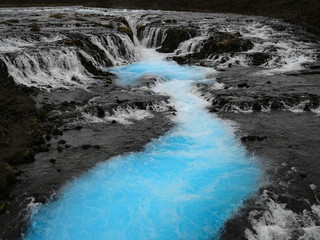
<point x="184" y="185"/>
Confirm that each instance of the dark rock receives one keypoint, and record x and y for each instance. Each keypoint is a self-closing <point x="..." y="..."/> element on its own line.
<point x="224" y="101"/>
<point x="78" y="128"/>
<point x="41" y="148"/>
<point x="34" y="27"/>
<point x="275" y="105"/>
<point x="57" y="131"/>
<point x="38" y="140"/>
<point x="91" y="68"/>
<point x="121" y="100"/>
<point x="259" y="58"/>
<point x="52" y="160"/>
<point x="256" y="107"/>
<point x="126" y="30"/>
<point x="7" y="177"/>
<point x="27" y="156"/>
<point x="67" y="146"/>
<point x="96" y="146"/>
<point x="62" y="141"/>
<point x="86" y="146"/>
<point x="170" y="21"/>
<point x="253" y="138"/>
<point x="303" y="175"/>
<point x="243" y="85"/>
<point x="42" y="115"/>
<point x="140" y="29"/>
<point x="175" y="36"/>
<point x="100" y="112"/>
<point x="140" y="105"/>
<point x="307" y="108"/>
<point x="39" y="198"/>
<point x="113" y="121"/>
<point x="3" y="206"/>
<point x="60" y="149"/>
<point x="223" y="42"/>
<point x="48" y="137"/>
<point x="182" y="59"/>
<point x="123" y="20"/>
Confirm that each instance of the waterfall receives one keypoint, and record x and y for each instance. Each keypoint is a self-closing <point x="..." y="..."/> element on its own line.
<point x="118" y="49"/>
<point x="51" y="63"/>
<point x="184" y="185"/>
<point x="152" y="37"/>
<point x="193" y="45"/>
<point x="47" y="68"/>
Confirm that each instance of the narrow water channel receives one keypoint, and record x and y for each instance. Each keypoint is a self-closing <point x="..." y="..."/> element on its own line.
<point x="184" y="185"/>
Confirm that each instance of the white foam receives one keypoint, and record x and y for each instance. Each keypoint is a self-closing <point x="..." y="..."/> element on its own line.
<point x="153" y="36"/>
<point x="31" y="64"/>
<point x="48" y="69"/>
<point x="33" y="207"/>
<point x="128" y="115"/>
<point x="125" y="116"/>
<point x="316" y="111"/>
<point x="162" y="106"/>
<point x="193" y="45"/>
<point x="111" y="45"/>
<point x="13" y="44"/>
<point x="279" y="223"/>
<point x="298" y="108"/>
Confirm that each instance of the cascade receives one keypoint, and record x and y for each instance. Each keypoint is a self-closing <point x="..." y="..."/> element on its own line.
<point x="50" y="64"/>
<point x="184" y="185"/>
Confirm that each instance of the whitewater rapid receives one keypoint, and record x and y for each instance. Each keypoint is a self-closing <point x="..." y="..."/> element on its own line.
<point x="184" y="185"/>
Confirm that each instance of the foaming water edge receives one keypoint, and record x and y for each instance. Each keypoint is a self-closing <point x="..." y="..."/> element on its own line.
<point x="184" y="185"/>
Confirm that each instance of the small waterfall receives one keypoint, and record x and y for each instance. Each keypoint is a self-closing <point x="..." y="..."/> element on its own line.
<point x="145" y="53"/>
<point x="51" y="63"/>
<point x="118" y="49"/>
<point x="184" y="185"/>
<point x="193" y="45"/>
<point x="152" y="37"/>
<point x="47" y="68"/>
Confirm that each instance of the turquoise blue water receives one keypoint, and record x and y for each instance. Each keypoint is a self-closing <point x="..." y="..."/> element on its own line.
<point x="184" y="185"/>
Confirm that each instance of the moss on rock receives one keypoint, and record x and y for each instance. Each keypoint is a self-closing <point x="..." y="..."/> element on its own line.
<point x="127" y="31"/>
<point x="34" y="27"/>
<point x="224" y="42"/>
<point x="140" y="29"/>
<point x="57" y="15"/>
<point x="3" y="206"/>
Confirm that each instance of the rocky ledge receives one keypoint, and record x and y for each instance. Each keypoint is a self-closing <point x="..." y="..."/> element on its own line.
<point x="277" y="120"/>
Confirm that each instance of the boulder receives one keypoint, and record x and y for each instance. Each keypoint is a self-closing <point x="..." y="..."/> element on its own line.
<point x="224" y="42"/>
<point x="175" y="36"/>
<point x="126" y="30"/>
<point x="259" y="58"/>
<point x="140" y="29"/>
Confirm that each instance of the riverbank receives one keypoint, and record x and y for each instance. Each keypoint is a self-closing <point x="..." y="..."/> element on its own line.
<point x="70" y="149"/>
<point x="284" y="136"/>
<point x="268" y="83"/>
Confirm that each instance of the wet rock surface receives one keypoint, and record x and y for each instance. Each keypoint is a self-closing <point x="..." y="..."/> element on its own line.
<point x="175" y="36"/>
<point x="66" y="121"/>
<point x="243" y="91"/>
<point x="277" y="120"/>
<point x="77" y="134"/>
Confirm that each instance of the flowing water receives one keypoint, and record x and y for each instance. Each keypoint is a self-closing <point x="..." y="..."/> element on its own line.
<point x="184" y="185"/>
<point x="187" y="183"/>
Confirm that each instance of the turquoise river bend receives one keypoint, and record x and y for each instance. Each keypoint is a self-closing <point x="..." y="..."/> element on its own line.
<point x="184" y="185"/>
